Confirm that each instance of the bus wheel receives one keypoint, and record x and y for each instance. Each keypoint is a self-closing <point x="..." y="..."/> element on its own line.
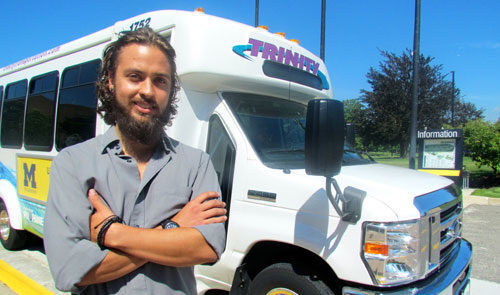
<point x="11" y="238"/>
<point x="288" y="279"/>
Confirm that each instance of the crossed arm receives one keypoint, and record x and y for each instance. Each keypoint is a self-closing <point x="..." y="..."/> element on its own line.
<point x="133" y="247"/>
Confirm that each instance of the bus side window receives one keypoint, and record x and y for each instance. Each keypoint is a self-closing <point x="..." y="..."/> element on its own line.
<point x="13" y="114"/>
<point x="40" y="112"/>
<point x="1" y="103"/>
<point x="76" y="110"/>
<point x="222" y="153"/>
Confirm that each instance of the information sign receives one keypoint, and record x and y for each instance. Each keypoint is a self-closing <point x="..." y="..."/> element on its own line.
<point x="440" y="152"/>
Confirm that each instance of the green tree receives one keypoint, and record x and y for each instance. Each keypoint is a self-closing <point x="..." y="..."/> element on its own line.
<point x="482" y="139"/>
<point x="464" y="112"/>
<point x="388" y="103"/>
<point x="354" y="112"/>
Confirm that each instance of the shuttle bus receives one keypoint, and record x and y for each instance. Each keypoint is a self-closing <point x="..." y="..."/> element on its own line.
<point x="243" y="99"/>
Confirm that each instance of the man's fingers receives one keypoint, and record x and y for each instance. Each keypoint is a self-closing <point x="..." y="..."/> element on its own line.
<point x="218" y="219"/>
<point x="205" y="196"/>
<point x="212" y="204"/>
<point x="95" y="200"/>
<point x="214" y="212"/>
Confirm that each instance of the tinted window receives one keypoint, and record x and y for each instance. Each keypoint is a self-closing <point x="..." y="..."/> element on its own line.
<point x="88" y="72"/>
<point x="222" y="153"/>
<point x="275" y="127"/>
<point x="353" y="157"/>
<point x="40" y="109"/>
<point x="1" y="101"/>
<point x="292" y="74"/>
<point x="70" y="77"/>
<point x="13" y="114"/>
<point x="76" y="112"/>
<point x="276" y="130"/>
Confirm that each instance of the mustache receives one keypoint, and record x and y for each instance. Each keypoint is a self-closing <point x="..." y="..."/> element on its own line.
<point x="149" y="101"/>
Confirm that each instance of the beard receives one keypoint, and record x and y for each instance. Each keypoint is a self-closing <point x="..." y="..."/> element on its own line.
<point x="145" y="132"/>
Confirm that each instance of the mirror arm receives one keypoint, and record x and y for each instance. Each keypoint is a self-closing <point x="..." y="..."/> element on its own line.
<point x="352" y="200"/>
<point x="338" y="194"/>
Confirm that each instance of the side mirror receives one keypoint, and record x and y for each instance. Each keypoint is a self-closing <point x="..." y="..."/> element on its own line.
<point x="324" y="140"/>
<point x="324" y="145"/>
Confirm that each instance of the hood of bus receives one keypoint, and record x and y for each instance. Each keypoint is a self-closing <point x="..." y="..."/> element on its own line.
<point x="394" y="186"/>
<point x="391" y="187"/>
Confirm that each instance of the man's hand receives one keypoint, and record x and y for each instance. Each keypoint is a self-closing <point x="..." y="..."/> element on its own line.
<point x="204" y="209"/>
<point x="101" y="213"/>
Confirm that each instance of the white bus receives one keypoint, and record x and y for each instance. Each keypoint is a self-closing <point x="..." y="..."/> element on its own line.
<point x="243" y="100"/>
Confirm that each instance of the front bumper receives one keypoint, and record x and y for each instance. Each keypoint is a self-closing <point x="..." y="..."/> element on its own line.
<point x="451" y="279"/>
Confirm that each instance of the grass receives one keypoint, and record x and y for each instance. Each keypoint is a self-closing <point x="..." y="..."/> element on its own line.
<point x="400" y="162"/>
<point x="492" y="192"/>
<point x="479" y="177"/>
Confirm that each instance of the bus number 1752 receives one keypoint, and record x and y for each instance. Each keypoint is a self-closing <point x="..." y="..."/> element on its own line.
<point x="140" y="24"/>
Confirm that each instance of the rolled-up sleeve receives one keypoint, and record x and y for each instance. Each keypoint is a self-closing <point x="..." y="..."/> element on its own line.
<point x="69" y="251"/>
<point x="206" y="180"/>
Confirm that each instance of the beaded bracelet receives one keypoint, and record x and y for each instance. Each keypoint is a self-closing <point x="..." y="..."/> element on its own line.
<point x="102" y="232"/>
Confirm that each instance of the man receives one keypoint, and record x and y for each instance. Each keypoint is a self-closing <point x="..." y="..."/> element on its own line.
<point x="132" y="211"/>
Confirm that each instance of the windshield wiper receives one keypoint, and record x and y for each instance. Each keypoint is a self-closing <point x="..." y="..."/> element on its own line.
<point x="297" y="121"/>
<point x="287" y="151"/>
<point x="362" y="153"/>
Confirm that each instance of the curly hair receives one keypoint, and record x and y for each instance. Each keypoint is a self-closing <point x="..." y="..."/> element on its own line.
<point x="143" y="36"/>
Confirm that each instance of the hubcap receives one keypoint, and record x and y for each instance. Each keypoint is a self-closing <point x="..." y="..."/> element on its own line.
<point x="4" y="225"/>
<point x="281" y="291"/>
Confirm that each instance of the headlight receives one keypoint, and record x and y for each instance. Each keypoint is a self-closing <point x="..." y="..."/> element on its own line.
<point x="395" y="253"/>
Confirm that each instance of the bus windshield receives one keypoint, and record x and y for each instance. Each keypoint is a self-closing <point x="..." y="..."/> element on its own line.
<point x="276" y="129"/>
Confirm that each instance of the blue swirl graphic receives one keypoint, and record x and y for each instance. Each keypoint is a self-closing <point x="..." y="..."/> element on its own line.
<point x="240" y="50"/>
<point x="6" y="174"/>
<point x="324" y="81"/>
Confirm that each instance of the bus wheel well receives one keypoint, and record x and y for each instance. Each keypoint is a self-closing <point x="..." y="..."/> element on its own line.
<point x="266" y="253"/>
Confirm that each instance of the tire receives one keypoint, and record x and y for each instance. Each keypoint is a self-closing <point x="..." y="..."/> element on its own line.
<point x="288" y="279"/>
<point x="11" y="239"/>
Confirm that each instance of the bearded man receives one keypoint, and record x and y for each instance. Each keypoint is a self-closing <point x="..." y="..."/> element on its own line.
<point x="132" y="211"/>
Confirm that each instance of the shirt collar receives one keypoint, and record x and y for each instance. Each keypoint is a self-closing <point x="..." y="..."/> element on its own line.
<point x="110" y="140"/>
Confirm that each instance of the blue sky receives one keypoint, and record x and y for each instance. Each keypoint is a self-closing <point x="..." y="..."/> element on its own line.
<point x="462" y="35"/>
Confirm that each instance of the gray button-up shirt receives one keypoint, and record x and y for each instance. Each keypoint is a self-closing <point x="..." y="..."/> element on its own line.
<point x="175" y="174"/>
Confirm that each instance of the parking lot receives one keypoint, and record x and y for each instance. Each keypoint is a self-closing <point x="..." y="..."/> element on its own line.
<point x="482" y="229"/>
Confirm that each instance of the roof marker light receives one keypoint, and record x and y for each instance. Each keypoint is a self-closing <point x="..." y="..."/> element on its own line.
<point x="200" y="9"/>
<point x="295" y="41"/>
<point x="263" y="27"/>
<point x="280" y="34"/>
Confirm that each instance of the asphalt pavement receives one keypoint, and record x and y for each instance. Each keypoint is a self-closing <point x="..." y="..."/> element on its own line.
<point x="481" y="226"/>
<point x="4" y="290"/>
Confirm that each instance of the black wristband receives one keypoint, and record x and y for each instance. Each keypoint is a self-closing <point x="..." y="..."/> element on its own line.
<point x="102" y="232"/>
<point x="104" y="220"/>
<point x="169" y="223"/>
